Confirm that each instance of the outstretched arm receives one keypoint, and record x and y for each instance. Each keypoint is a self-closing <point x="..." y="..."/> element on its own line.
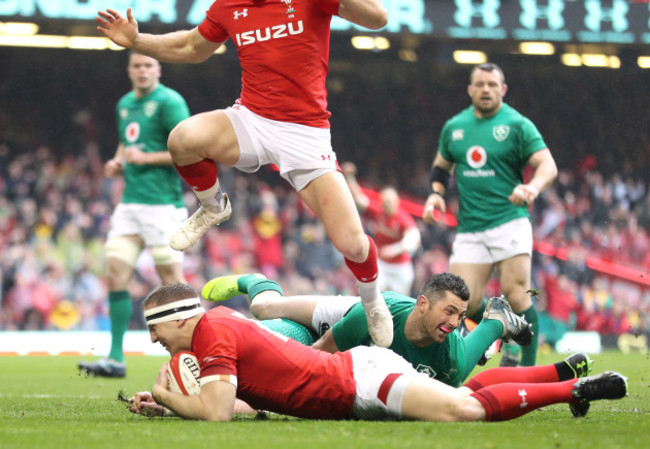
<point x="366" y="13"/>
<point x="186" y="46"/>
<point x="216" y="402"/>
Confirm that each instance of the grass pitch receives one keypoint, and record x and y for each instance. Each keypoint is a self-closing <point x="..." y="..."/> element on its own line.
<point x="45" y="403"/>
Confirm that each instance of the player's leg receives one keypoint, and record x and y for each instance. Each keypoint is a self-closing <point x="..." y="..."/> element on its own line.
<point x="196" y="145"/>
<point x="330" y="199"/>
<point x="121" y="253"/>
<point x="575" y="366"/>
<point x="476" y="276"/>
<point x="266" y="297"/>
<point x="511" y="245"/>
<point x="514" y="275"/>
<point x="511" y="400"/>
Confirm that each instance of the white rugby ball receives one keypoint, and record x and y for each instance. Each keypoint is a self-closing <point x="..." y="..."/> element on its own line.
<point x="183" y="374"/>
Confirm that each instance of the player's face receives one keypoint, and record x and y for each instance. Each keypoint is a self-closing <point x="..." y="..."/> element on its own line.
<point x="168" y="335"/>
<point x="144" y="73"/>
<point x="444" y="316"/>
<point x="487" y="90"/>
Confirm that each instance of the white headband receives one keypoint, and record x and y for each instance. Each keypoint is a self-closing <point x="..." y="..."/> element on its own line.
<point x="177" y="310"/>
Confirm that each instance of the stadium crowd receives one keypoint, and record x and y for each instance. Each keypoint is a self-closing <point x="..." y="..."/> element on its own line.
<point x="55" y="203"/>
<point x="54" y="213"/>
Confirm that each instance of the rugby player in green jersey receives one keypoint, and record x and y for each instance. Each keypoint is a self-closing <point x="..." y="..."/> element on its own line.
<point x="425" y="329"/>
<point x="152" y="205"/>
<point x="487" y="146"/>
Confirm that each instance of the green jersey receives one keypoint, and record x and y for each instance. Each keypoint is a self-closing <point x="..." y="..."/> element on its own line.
<point x="146" y="123"/>
<point x="490" y="155"/>
<point x="442" y="361"/>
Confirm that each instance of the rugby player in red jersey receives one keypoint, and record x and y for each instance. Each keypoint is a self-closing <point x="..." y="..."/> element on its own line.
<point x="280" y="118"/>
<point x="240" y="358"/>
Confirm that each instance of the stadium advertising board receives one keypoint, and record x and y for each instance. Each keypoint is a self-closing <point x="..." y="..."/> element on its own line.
<point x="611" y="21"/>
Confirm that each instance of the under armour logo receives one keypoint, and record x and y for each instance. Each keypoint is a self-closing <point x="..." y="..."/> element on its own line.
<point x="523" y="395"/>
<point x="532" y="12"/>
<point x="326" y="157"/>
<point x="488" y="11"/>
<point x="617" y="15"/>
<point x="243" y="13"/>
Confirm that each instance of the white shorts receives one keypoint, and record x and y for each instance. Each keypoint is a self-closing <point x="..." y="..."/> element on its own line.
<point x="397" y="277"/>
<point x="302" y="153"/>
<point x="153" y="223"/>
<point x="493" y="245"/>
<point x="329" y="311"/>
<point x="381" y="377"/>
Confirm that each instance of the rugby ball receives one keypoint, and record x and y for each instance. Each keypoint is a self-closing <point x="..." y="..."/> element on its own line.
<point x="183" y="374"/>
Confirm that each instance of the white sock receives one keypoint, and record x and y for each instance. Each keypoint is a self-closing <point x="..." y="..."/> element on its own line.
<point x="369" y="291"/>
<point x="211" y="197"/>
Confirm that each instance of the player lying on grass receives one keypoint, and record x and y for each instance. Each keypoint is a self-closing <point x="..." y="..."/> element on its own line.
<point x="425" y="329"/>
<point x="239" y="358"/>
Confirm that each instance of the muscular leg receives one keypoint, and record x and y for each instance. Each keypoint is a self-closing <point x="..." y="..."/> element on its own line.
<point x="270" y="304"/>
<point x="476" y="276"/>
<point x="209" y="135"/>
<point x="120" y="306"/>
<point x="514" y="276"/>
<point x="330" y="199"/>
<point x="170" y="273"/>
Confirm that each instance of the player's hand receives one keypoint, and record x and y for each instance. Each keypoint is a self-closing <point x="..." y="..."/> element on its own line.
<point x="523" y="195"/>
<point x="113" y="167"/>
<point x="434" y="208"/>
<point x="135" y="156"/>
<point x="161" y="384"/>
<point x="123" y="31"/>
<point x="143" y="403"/>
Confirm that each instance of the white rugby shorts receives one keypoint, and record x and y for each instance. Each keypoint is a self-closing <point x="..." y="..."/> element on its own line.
<point x="330" y="310"/>
<point x="154" y="223"/>
<point x="382" y="378"/>
<point x="493" y="245"/>
<point x="302" y="153"/>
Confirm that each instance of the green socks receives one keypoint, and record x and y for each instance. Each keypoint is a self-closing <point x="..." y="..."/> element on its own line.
<point x="529" y="353"/>
<point x="253" y="285"/>
<point x="120" y="311"/>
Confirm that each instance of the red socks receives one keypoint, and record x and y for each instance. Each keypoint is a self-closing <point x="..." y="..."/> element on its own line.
<point x="199" y="176"/>
<point x="521" y="374"/>
<point x="507" y="401"/>
<point x="365" y="271"/>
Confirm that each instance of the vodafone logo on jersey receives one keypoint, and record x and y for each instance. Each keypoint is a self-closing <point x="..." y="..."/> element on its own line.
<point x="476" y="156"/>
<point x="265" y="34"/>
<point x="132" y="132"/>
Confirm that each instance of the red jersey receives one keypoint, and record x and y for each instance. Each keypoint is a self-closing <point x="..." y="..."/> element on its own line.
<point x="391" y="229"/>
<point x="283" y="48"/>
<point x="274" y="372"/>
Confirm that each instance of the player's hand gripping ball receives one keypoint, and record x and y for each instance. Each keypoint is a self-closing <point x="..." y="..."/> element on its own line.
<point x="183" y="374"/>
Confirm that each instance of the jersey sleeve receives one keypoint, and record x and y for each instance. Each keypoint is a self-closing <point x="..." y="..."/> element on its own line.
<point x="330" y="6"/>
<point x="352" y="329"/>
<point x="531" y="139"/>
<point x="443" y="143"/>
<point x="217" y="356"/>
<point x="210" y="28"/>
<point x="175" y="111"/>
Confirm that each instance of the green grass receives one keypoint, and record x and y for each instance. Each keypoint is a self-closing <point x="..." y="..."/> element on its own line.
<point x="44" y="404"/>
